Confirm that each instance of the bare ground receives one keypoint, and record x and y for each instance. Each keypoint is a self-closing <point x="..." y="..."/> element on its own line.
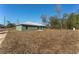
<point x="41" y="42"/>
<point x="2" y="36"/>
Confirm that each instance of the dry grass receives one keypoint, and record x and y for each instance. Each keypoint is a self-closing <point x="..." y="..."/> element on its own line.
<point x="40" y="42"/>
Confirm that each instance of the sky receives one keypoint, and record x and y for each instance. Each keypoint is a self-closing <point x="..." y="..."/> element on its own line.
<point x="32" y="12"/>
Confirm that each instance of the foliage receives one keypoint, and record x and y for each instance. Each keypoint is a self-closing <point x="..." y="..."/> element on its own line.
<point x="9" y="25"/>
<point x="54" y="22"/>
<point x="68" y="21"/>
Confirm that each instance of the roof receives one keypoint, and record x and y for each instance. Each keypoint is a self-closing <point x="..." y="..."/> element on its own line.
<point x="32" y="24"/>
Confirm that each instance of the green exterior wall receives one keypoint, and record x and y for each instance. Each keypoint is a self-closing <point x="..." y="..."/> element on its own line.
<point x="19" y="28"/>
<point x="23" y="28"/>
<point x="32" y="28"/>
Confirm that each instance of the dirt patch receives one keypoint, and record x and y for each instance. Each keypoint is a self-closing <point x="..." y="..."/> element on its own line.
<point x="40" y="42"/>
<point x="2" y="36"/>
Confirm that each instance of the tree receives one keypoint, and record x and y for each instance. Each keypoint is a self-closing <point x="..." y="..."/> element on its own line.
<point x="73" y="21"/>
<point x="54" y="22"/>
<point x="68" y="21"/>
<point x="10" y="25"/>
<point x="64" y="21"/>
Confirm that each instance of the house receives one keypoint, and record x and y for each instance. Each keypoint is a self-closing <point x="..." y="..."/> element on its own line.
<point x="30" y="26"/>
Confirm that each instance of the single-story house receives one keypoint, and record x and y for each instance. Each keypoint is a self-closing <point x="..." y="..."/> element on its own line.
<point x="30" y="26"/>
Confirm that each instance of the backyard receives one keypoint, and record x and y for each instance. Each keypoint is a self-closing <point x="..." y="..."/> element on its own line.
<point x="40" y="42"/>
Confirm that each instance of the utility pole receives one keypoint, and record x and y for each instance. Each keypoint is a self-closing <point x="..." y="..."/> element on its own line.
<point x="4" y="20"/>
<point x="17" y="21"/>
<point x="58" y="11"/>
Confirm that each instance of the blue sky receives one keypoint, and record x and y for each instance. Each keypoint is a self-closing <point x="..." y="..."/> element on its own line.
<point x="32" y="12"/>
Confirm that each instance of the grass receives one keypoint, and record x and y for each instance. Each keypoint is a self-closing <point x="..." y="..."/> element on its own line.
<point x="41" y="42"/>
